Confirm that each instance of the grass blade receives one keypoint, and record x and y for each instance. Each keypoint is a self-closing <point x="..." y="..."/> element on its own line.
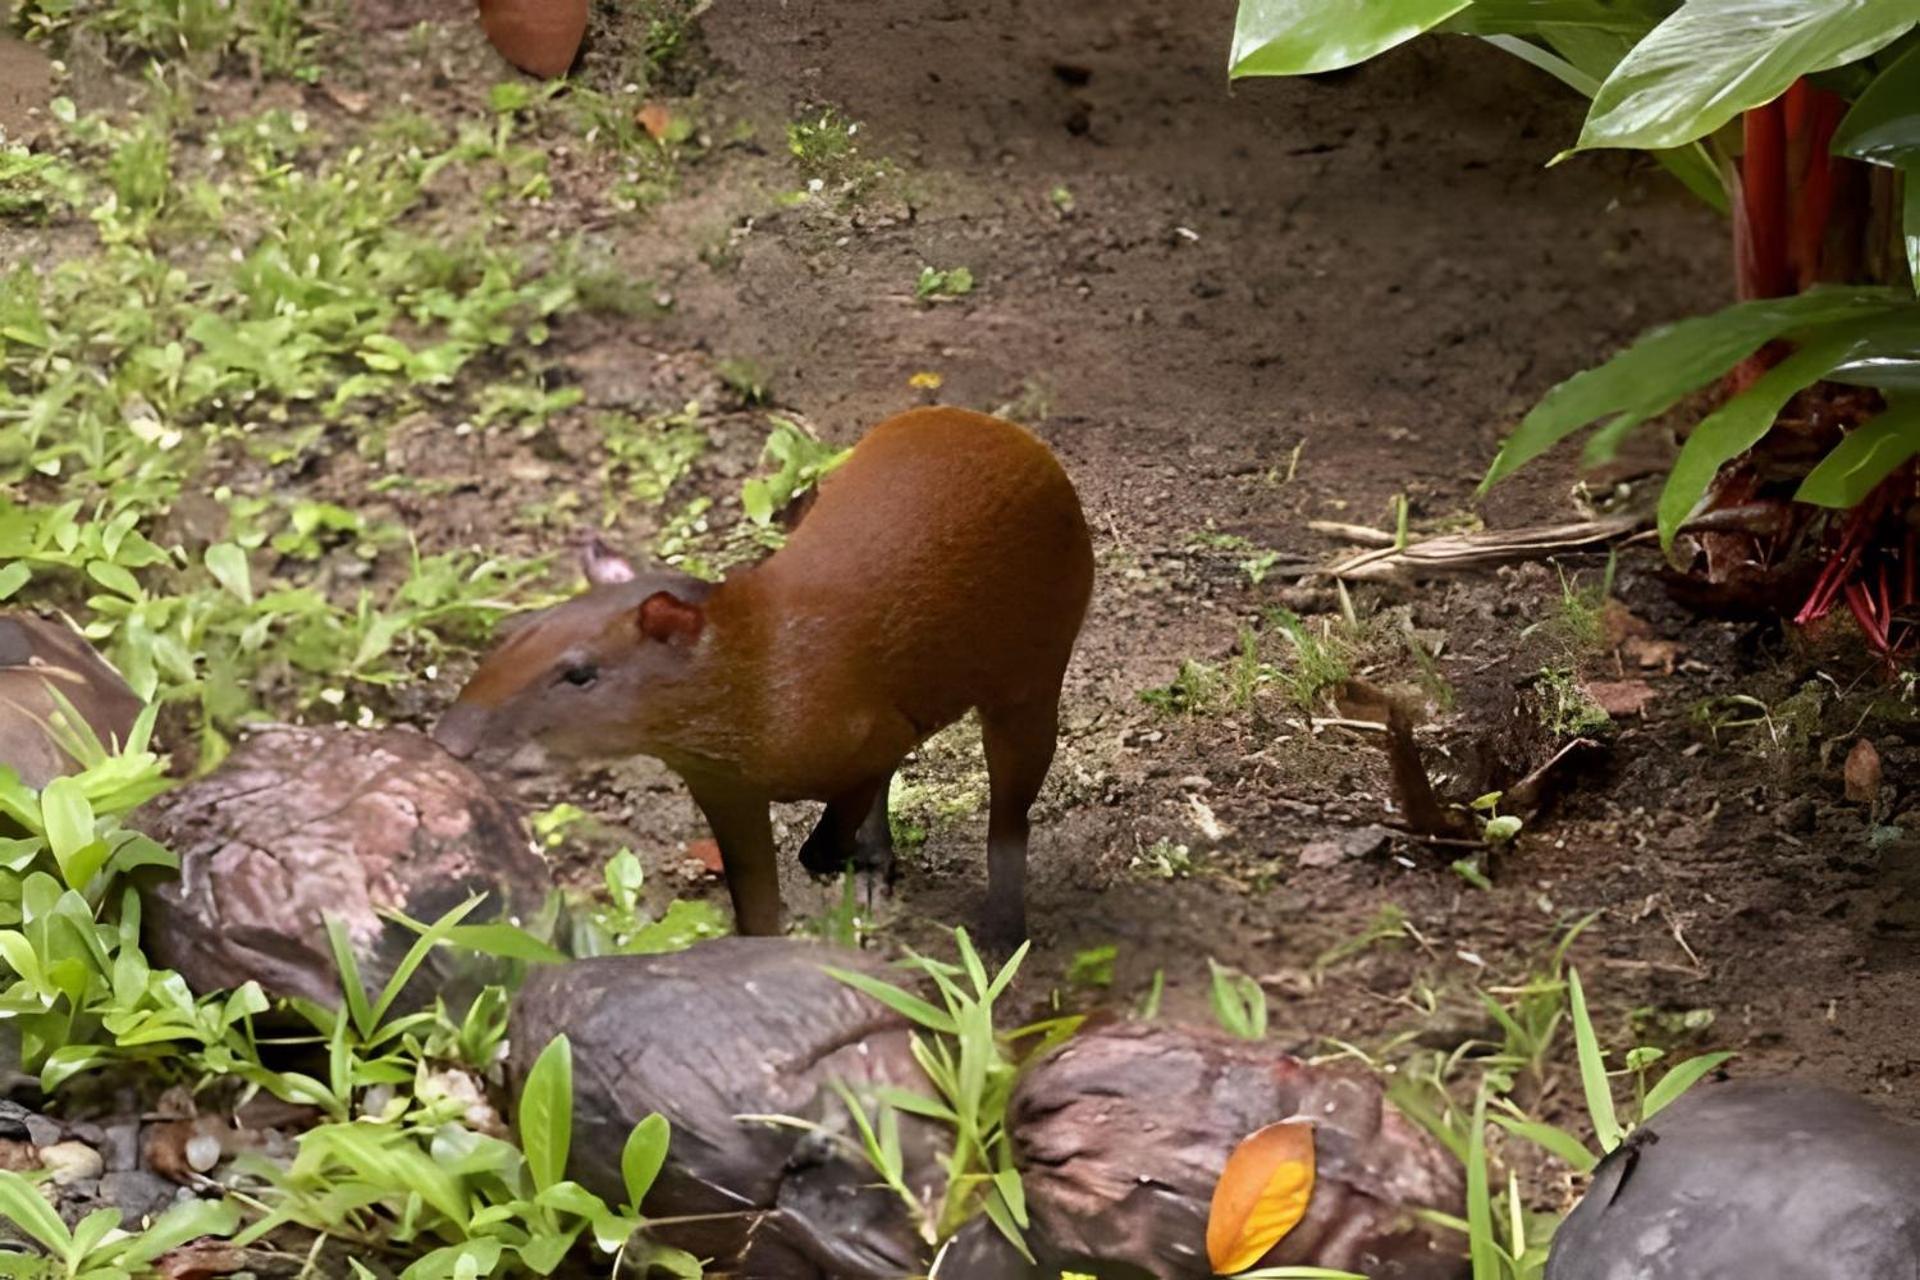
<point x="1593" y="1069"/>
<point x="902" y="1002"/>
<point x="1679" y="1080"/>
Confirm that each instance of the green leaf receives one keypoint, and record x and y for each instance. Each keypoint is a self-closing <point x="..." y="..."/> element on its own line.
<point x="546" y="1113"/>
<point x="1302" y="37"/>
<point x="14" y="576"/>
<point x="228" y="565"/>
<point x="1677" y="1081"/>
<point x="506" y="941"/>
<point x="642" y="1157"/>
<point x="1737" y="425"/>
<point x="350" y="984"/>
<point x="23" y="1205"/>
<point x="1884" y="124"/>
<point x="416" y="955"/>
<point x="1657" y="370"/>
<point x="1866" y="456"/>
<point x="114" y="578"/>
<point x="1713" y="59"/>
<point x="1551" y="1139"/>
<point x="1593" y="1069"/>
<point x="902" y="1002"/>
<point x="188" y="1220"/>
<point x="66" y="817"/>
<point x="1486" y="1258"/>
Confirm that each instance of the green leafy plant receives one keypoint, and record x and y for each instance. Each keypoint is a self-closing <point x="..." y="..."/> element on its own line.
<point x="1828" y="324"/>
<point x="1238" y="1001"/>
<point x="934" y="283"/>
<point x="973" y="1069"/>
<point x="803" y="461"/>
<point x="483" y="1206"/>
<point x="622" y="925"/>
<point x="96" y="1248"/>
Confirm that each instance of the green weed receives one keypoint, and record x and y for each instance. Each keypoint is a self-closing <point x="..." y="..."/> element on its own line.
<point x="973" y="1068"/>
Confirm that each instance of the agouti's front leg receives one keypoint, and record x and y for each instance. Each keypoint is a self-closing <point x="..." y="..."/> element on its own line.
<point x="743" y="828"/>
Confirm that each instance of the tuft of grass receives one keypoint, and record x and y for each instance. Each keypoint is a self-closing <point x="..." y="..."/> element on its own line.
<point x="935" y="284"/>
<point x="973" y="1067"/>
<point x="1319" y="662"/>
<point x="1566" y="711"/>
<point x="825" y="151"/>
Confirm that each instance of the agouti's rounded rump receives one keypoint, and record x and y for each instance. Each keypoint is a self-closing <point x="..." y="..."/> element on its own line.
<point x="944" y="567"/>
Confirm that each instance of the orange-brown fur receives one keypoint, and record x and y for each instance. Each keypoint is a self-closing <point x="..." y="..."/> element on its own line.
<point x="944" y="567"/>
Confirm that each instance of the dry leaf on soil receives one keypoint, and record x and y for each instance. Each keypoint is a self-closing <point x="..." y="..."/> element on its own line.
<point x="1621" y="697"/>
<point x="1862" y="773"/>
<point x="1262" y="1194"/>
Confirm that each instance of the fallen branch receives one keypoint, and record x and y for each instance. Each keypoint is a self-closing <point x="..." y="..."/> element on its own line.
<point x="1467" y="552"/>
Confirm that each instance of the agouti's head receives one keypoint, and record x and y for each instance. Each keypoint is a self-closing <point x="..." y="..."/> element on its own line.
<point x="580" y="679"/>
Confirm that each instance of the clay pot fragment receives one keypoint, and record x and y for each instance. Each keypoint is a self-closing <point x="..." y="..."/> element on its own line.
<point x="729" y="1028"/>
<point x="541" y="37"/>
<point x="1123" y="1132"/>
<point x="302" y="823"/>
<point x="42" y="659"/>
<point x="1751" y="1180"/>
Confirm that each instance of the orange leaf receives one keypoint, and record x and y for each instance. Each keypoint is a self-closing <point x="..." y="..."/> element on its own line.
<point x="655" y="119"/>
<point x="1262" y="1194"/>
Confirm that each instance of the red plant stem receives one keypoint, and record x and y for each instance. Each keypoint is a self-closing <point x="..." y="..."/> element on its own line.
<point x="1811" y="115"/>
<point x="1763" y="266"/>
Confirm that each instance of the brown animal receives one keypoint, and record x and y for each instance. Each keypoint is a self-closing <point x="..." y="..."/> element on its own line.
<point x="41" y="660"/>
<point x="944" y="567"/>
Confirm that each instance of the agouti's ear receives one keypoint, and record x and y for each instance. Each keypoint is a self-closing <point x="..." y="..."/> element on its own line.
<point x="665" y="617"/>
<point x="602" y="564"/>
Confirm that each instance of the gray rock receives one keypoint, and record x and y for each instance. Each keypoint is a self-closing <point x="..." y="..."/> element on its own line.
<point x="138" y="1194"/>
<point x="1752" y="1181"/>
<point x="302" y="823"/>
<point x="733" y="1027"/>
<point x="120" y="1146"/>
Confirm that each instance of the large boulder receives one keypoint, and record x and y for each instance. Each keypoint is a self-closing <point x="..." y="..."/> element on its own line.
<point x="39" y="656"/>
<point x="730" y="1028"/>
<point x="1122" y="1133"/>
<point x="299" y="824"/>
<point x="1752" y="1180"/>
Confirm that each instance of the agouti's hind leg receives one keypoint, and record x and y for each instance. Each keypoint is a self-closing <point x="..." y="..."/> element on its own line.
<point x="1019" y="742"/>
<point x="853" y="832"/>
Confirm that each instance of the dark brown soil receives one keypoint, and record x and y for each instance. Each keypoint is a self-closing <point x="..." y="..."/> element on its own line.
<point x="1267" y="304"/>
<point x="1380" y="272"/>
<point x="1273" y="303"/>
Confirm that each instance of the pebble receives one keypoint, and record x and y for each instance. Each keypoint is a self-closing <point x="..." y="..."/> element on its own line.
<point x="203" y="1152"/>
<point x="71" y="1162"/>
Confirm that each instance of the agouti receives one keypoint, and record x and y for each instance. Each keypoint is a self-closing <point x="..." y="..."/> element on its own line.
<point x="943" y="567"/>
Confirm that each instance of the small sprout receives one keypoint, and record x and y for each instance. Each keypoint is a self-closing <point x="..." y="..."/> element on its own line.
<point x="934" y="284"/>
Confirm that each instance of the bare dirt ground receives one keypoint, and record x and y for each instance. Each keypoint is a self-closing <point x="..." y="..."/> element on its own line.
<point x="1233" y="311"/>
<point x="1380" y="273"/>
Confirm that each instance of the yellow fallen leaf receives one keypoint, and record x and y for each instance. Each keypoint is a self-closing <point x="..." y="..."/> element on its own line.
<point x="1262" y="1194"/>
<point x="926" y="380"/>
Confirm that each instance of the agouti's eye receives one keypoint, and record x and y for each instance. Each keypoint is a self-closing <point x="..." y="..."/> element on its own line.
<point x="580" y="677"/>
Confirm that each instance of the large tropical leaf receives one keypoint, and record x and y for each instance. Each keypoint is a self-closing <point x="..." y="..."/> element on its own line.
<point x="1884" y="128"/>
<point x="1301" y="37"/>
<point x="1713" y="59"/>
<point x="1649" y="376"/>
<point x="1864" y="458"/>
<point x="1629" y="18"/>
<point x="1738" y="424"/>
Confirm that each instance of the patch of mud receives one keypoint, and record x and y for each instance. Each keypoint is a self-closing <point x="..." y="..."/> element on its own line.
<point x="26" y="85"/>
